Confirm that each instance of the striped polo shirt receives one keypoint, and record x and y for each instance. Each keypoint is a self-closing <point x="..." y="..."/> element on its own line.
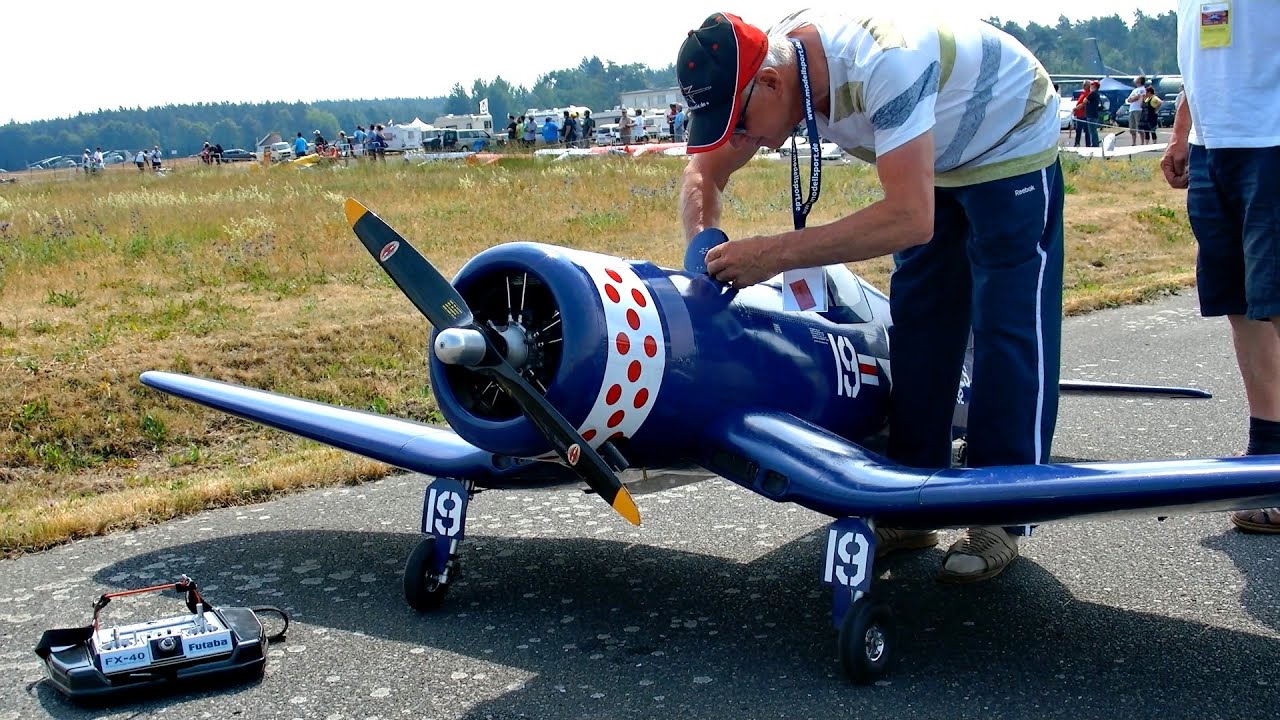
<point x="989" y="102"/>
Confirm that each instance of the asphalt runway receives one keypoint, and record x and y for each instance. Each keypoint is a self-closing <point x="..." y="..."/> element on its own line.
<point x="714" y="607"/>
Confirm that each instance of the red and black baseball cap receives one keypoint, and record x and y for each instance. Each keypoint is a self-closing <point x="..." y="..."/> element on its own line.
<point x="716" y="62"/>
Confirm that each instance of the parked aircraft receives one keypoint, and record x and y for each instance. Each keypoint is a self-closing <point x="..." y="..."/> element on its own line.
<point x="554" y="365"/>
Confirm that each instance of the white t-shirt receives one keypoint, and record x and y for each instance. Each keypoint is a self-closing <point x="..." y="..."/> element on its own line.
<point x="1135" y="105"/>
<point x="989" y="102"/>
<point x="1234" y="91"/>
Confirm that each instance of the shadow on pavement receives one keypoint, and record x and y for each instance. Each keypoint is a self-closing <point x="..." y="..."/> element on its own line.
<point x="639" y="621"/>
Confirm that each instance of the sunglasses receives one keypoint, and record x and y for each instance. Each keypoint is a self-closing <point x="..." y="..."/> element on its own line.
<point x="741" y="127"/>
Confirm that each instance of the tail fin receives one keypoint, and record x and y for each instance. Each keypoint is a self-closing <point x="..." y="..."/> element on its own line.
<point x="1093" y="58"/>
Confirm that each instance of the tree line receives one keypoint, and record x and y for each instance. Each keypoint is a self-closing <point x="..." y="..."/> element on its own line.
<point x="1147" y="44"/>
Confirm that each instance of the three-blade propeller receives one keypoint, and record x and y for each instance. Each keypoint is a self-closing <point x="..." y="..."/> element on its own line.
<point x="444" y="308"/>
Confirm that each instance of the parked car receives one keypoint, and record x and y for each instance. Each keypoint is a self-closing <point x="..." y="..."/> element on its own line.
<point x="1166" y="112"/>
<point x="475" y="139"/>
<point x="281" y="151"/>
<point x="239" y="155"/>
<point x="607" y="134"/>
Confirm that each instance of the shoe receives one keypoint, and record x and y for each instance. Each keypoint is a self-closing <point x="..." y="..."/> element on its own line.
<point x="1266" y="520"/>
<point x="891" y="540"/>
<point x="980" y="553"/>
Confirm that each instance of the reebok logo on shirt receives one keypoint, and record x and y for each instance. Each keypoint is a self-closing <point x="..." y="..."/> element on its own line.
<point x="1024" y="191"/>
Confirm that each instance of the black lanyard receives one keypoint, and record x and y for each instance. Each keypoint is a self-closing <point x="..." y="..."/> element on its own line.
<point x="800" y="210"/>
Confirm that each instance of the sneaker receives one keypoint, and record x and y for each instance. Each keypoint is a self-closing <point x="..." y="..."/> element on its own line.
<point x="1266" y="520"/>
<point x="980" y="553"/>
<point x="891" y="540"/>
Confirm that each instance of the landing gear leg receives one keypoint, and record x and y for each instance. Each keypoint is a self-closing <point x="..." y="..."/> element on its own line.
<point x="434" y="563"/>
<point x="866" y="638"/>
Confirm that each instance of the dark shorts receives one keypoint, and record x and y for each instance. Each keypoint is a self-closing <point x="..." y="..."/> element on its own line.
<point x="1233" y="202"/>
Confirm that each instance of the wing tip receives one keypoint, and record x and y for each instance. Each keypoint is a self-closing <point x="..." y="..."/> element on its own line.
<point x="354" y="211"/>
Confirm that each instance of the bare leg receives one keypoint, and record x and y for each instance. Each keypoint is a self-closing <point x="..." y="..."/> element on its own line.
<point x="1257" y="345"/>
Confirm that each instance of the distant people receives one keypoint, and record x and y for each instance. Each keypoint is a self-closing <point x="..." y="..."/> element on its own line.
<point x="344" y="144"/>
<point x="319" y="142"/>
<point x="677" y="127"/>
<point x="588" y="128"/>
<point x="625" y="126"/>
<point x="215" y="153"/>
<point x="550" y="133"/>
<point x="299" y="146"/>
<point x="1136" y="96"/>
<point x="155" y="158"/>
<point x="512" y="128"/>
<point x="671" y="119"/>
<point x="638" y="132"/>
<point x="86" y="161"/>
<point x="141" y="160"/>
<point x="97" y="160"/>
<point x="530" y="131"/>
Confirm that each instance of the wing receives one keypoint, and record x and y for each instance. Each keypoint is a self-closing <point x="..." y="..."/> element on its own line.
<point x="403" y="443"/>
<point x="1125" y="151"/>
<point x="790" y="460"/>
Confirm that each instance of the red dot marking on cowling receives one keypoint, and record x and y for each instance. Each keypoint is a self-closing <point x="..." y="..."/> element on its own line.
<point x="623" y="343"/>
<point x="588" y="435"/>
<point x="633" y="319"/>
<point x="613" y="293"/>
<point x="642" y="397"/>
<point x="616" y="436"/>
<point x="650" y="346"/>
<point x="633" y="371"/>
<point x="614" y="393"/>
<point x="638" y="297"/>
<point x="614" y="275"/>
<point x="616" y="419"/>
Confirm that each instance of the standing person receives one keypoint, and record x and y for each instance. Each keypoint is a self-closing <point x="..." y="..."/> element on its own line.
<point x="530" y="131"/>
<point x="625" y="125"/>
<point x="1150" y="118"/>
<point x="98" y="163"/>
<point x="972" y="211"/>
<point x="638" y="132"/>
<point x="155" y="158"/>
<point x="512" y="129"/>
<point x="588" y="129"/>
<point x="1093" y="113"/>
<point x="1228" y="167"/>
<point x="677" y="126"/>
<point x="86" y="162"/>
<point x="140" y="159"/>
<point x="1135" y="109"/>
<point x="550" y="133"/>
<point x="358" y="148"/>
<point x="380" y="143"/>
<point x="215" y="152"/>
<point x="671" y="119"/>
<point x="299" y="146"/>
<point x="1077" y="115"/>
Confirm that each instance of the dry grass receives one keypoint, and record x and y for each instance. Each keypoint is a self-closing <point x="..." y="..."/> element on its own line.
<point x="252" y="276"/>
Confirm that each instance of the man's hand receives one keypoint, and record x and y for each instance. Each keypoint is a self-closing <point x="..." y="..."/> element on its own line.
<point x="744" y="262"/>
<point x="1174" y="165"/>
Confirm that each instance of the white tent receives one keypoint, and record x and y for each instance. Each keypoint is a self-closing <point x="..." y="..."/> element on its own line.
<point x="406" y="136"/>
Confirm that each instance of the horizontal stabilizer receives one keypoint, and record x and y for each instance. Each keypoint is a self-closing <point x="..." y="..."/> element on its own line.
<point x="403" y="443"/>
<point x="788" y="459"/>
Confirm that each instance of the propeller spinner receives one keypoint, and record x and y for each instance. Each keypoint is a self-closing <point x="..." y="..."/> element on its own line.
<point x="464" y="342"/>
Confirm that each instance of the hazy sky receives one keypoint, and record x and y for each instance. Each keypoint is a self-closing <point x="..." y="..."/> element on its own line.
<point x="68" y="56"/>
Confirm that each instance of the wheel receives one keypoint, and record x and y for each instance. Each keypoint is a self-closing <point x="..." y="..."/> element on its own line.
<point x="866" y="641"/>
<point x="422" y="591"/>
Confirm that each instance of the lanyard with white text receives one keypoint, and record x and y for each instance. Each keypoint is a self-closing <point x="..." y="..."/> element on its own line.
<point x="800" y="210"/>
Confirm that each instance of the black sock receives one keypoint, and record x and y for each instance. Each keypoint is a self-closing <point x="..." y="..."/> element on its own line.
<point x="1264" y="437"/>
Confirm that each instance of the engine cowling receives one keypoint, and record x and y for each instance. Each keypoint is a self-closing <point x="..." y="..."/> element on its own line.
<point x="581" y="327"/>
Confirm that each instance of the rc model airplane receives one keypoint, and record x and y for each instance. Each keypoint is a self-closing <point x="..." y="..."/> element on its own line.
<point x="554" y="365"/>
